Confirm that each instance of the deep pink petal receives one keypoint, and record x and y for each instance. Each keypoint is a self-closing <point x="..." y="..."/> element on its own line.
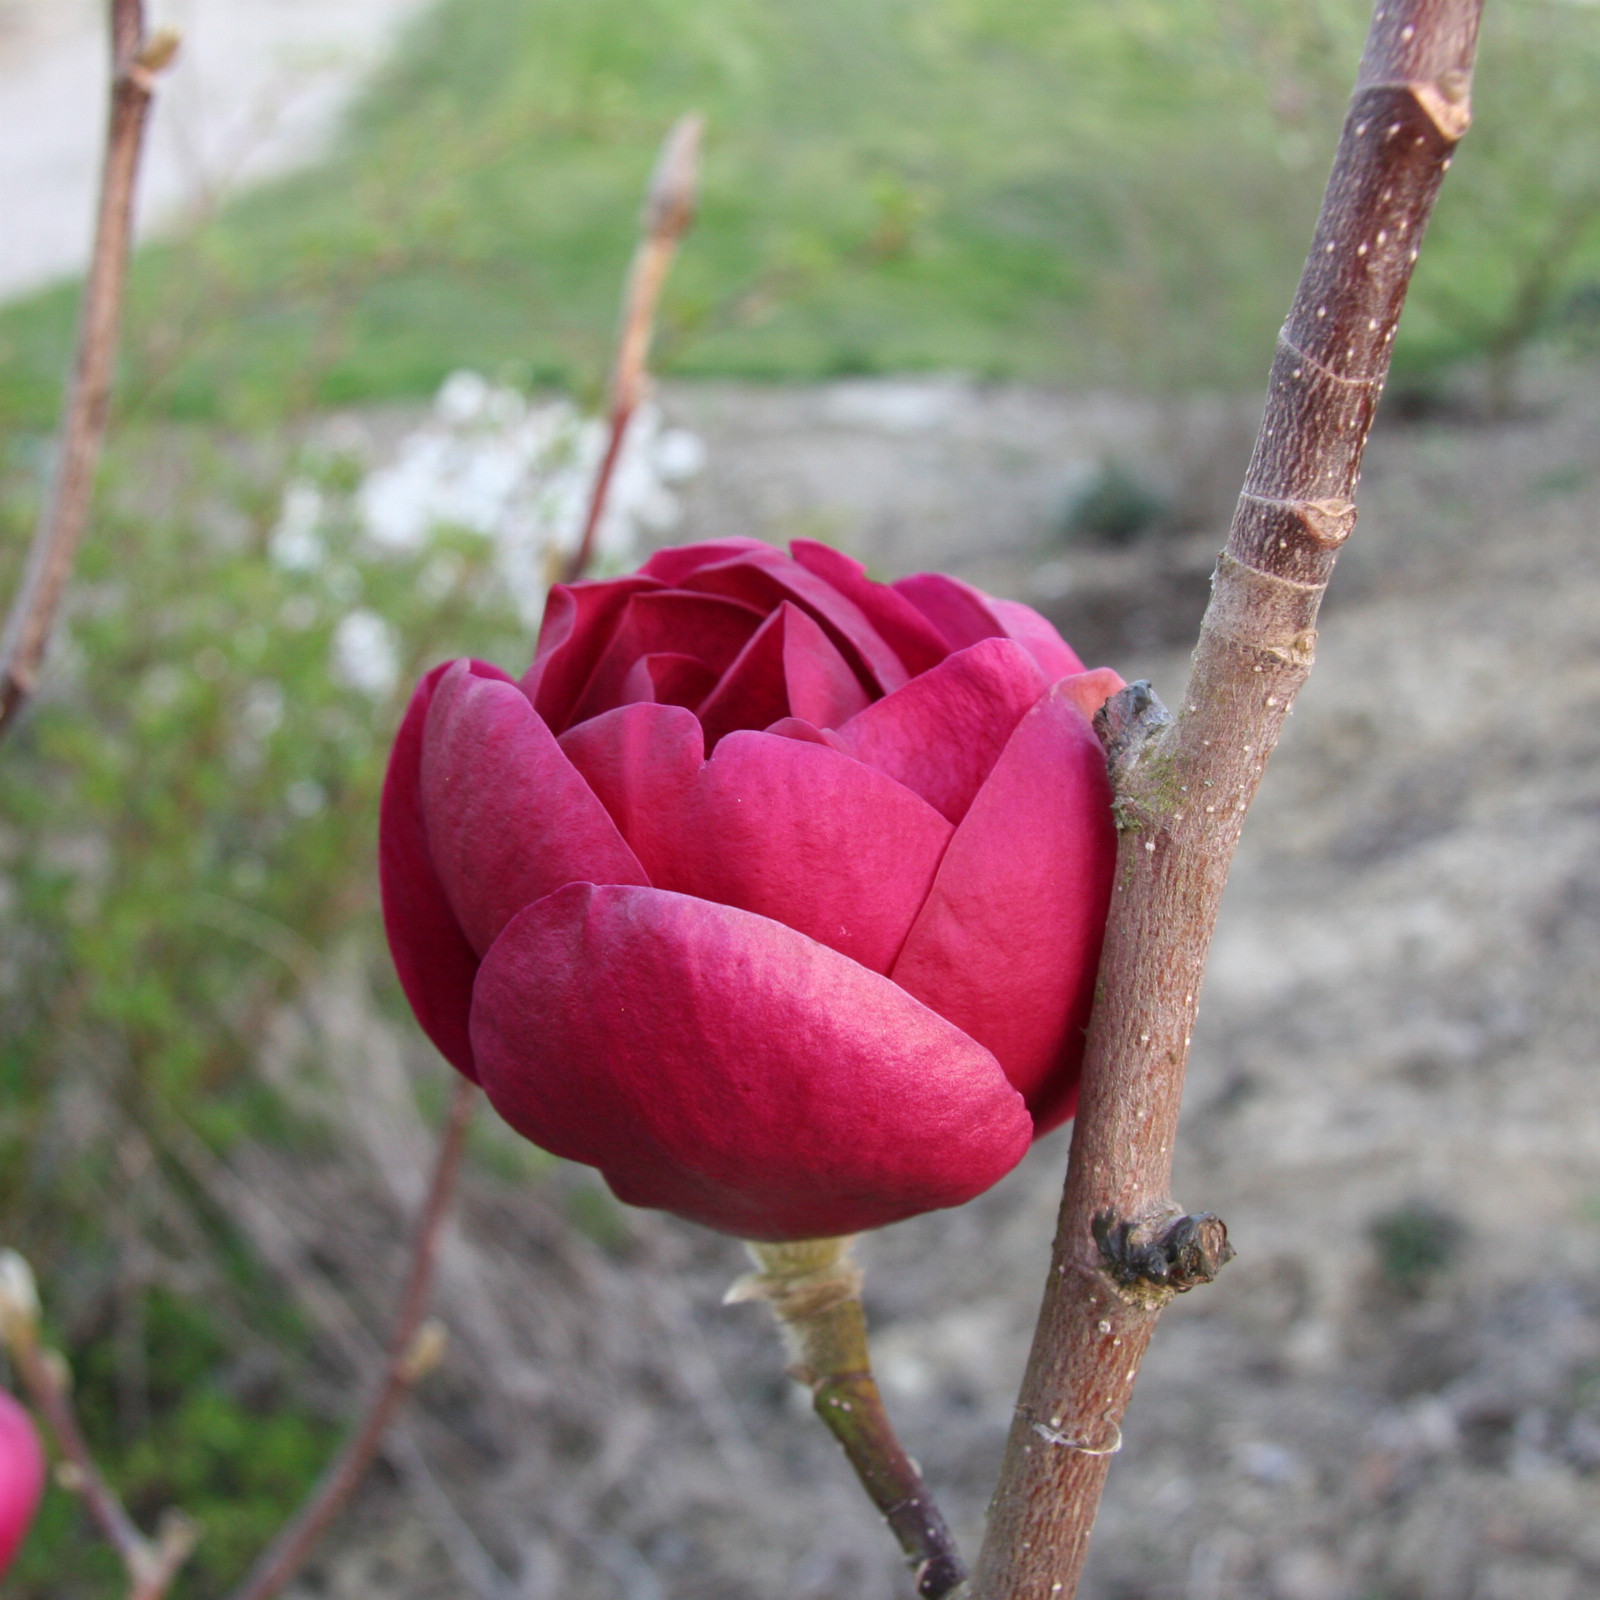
<point x="943" y="732"/>
<point x="709" y="629"/>
<point x="753" y="691"/>
<point x="956" y="609"/>
<point x="822" y="688"/>
<point x="674" y="565"/>
<point x="578" y="619"/>
<point x="1008" y="942"/>
<point x="907" y="632"/>
<point x="722" y="1066"/>
<point x="672" y="680"/>
<point x="21" y="1475"/>
<point x="1090" y="690"/>
<point x="508" y="818"/>
<point x="435" y="963"/>
<point x="1037" y="635"/>
<point x="799" y="728"/>
<point x="965" y="615"/>
<point x="783" y="827"/>
<point x="789" y="667"/>
<point x="766" y="579"/>
<point x="636" y="760"/>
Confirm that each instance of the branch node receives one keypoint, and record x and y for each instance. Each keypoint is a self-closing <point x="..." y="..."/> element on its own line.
<point x="1126" y="724"/>
<point x="1153" y="1258"/>
<point x="1065" y="1441"/>
<point x="1447" y="103"/>
<point x="155" y="55"/>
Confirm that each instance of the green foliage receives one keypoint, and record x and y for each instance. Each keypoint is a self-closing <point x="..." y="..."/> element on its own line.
<point x="1064" y="190"/>
<point x="1114" y="194"/>
<point x="186" y="822"/>
<point x="225" y="1442"/>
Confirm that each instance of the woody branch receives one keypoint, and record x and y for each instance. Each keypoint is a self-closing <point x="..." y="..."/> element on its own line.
<point x="1183" y="785"/>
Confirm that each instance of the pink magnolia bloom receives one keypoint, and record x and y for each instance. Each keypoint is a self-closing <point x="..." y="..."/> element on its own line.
<point x="21" y="1476"/>
<point x="773" y="892"/>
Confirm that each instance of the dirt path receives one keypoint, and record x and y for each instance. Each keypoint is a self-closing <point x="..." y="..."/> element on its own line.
<point x="258" y="87"/>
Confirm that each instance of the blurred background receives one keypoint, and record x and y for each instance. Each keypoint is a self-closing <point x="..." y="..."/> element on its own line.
<point x="984" y="285"/>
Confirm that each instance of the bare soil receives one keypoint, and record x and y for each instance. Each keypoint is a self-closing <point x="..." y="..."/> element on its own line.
<point x="1394" y="1393"/>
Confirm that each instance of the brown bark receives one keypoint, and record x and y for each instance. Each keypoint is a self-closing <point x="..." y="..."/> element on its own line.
<point x="135" y="60"/>
<point x="1183" y="785"/>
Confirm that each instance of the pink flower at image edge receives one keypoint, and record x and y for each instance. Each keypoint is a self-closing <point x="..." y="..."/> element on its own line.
<point x="21" y="1476"/>
<point x="771" y="891"/>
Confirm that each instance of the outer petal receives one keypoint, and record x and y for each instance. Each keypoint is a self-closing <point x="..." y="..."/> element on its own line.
<point x="1090" y="690"/>
<point x="943" y="732"/>
<point x="766" y="579"/>
<point x="956" y="609"/>
<point x="1038" y="636"/>
<point x="21" y="1475"/>
<point x="508" y="819"/>
<point x="578" y="619"/>
<point x="435" y="963"/>
<point x="722" y="1066"/>
<point x="965" y="615"/>
<point x="789" y="667"/>
<point x="783" y="827"/>
<point x="1008" y="942"/>
<point x="911" y="636"/>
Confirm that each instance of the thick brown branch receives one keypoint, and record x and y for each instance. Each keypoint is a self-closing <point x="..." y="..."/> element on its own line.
<point x="814" y="1289"/>
<point x="1184" y="785"/>
<point x="136" y="59"/>
<point x="415" y="1348"/>
<point x="668" y="212"/>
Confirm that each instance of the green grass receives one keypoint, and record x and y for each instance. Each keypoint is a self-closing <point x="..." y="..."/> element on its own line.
<point x="1057" y="190"/>
<point x="1007" y="187"/>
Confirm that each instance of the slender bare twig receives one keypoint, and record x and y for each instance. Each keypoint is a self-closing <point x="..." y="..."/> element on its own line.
<point x="136" y="59"/>
<point x="668" y="211"/>
<point x="151" y="1564"/>
<point x="814" y="1290"/>
<point x="413" y="1350"/>
<point x="1183" y="785"/>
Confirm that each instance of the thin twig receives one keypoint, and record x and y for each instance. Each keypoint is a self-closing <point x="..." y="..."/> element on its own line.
<point x="814" y="1289"/>
<point x="1183" y="785"/>
<point x="668" y="211"/>
<point x="136" y="59"/>
<point x="151" y="1564"/>
<point x="414" y="1349"/>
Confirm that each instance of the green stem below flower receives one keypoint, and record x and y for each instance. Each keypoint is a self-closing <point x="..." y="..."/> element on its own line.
<point x="814" y="1289"/>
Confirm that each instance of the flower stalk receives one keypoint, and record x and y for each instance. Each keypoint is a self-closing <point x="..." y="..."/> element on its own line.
<point x="813" y="1288"/>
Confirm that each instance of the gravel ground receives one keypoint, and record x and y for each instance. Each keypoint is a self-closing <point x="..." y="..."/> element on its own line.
<point x="1394" y="1393"/>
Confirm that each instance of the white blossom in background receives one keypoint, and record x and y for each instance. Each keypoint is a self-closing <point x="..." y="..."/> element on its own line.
<point x="519" y="473"/>
<point x="366" y="653"/>
<point x="491" y="463"/>
<point x="296" y="543"/>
